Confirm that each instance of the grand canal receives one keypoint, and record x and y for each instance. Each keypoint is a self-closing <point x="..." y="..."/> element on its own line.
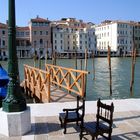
<point x="99" y="87"/>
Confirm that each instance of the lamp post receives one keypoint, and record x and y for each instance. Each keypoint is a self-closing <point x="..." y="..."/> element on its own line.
<point x="14" y="101"/>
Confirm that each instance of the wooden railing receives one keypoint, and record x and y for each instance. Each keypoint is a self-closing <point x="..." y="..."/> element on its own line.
<point x="37" y="83"/>
<point x="71" y="80"/>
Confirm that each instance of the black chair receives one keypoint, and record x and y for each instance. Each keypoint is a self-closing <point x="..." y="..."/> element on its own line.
<point x="103" y="124"/>
<point x="73" y="114"/>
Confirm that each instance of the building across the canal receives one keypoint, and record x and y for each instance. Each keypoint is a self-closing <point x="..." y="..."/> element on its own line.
<point x="69" y="37"/>
<point x="121" y="36"/>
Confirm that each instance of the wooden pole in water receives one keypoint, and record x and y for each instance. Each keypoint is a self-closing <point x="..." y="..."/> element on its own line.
<point x="93" y="65"/>
<point x="85" y="68"/>
<point x="46" y="55"/>
<point x="35" y="58"/>
<point x="133" y="65"/>
<point x="110" y="75"/>
<point x="54" y="58"/>
<point x="81" y="63"/>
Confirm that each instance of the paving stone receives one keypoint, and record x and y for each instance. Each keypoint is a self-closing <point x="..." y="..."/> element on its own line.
<point x="41" y="137"/>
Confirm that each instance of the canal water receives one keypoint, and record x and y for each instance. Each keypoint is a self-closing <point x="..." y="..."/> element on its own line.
<point x="99" y="87"/>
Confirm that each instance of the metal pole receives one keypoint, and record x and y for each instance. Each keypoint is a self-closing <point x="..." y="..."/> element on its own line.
<point x="14" y="101"/>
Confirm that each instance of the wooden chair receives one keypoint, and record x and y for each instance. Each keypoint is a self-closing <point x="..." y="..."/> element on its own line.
<point x="103" y="124"/>
<point x="73" y="114"/>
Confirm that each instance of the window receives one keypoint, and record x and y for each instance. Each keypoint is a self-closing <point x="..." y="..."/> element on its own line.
<point x="3" y="42"/>
<point x="55" y="35"/>
<point x="4" y="54"/>
<point x="61" y="35"/>
<point x="3" y="32"/>
<point x="41" y="41"/>
<point x="61" y="41"/>
<point x="41" y="32"/>
<point x="34" y="43"/>
<point x="27" y="33"/>
<point x="55" y="47"/>
<point x="55" y="41"/>
<point x="46" y="32"/>
<point x="35" y="32"/>
<point x="126" y="42"/>
<point x="61" y="47"/>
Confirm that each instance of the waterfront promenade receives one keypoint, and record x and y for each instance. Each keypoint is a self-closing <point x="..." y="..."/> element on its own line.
<point x="46" y="125"/>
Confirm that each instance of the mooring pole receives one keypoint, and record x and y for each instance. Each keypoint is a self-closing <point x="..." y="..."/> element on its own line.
<point x="134" y="50"/>
<point x="93" y="65"/>
<point x="14" y="101"/>
<point x="85" y="68"/>
<point x="110" y="75"/>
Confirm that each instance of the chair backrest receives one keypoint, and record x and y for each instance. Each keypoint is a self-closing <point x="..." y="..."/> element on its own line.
<point x="82" y="105"/>
<point x="105" y="113"/>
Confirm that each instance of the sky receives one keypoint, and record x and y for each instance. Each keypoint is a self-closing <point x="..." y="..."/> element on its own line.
<point x="94" y="11"/>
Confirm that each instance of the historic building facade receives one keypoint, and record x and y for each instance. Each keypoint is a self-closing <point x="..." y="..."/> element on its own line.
<point x="119" y="35"/>
<point x="40" y="36"/>
<point x="71" y="37"/>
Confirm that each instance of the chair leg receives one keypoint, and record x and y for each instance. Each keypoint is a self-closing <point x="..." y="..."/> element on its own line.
<point x="81" y="132"/>
<point x="65" y="124"/>
<point x="61" y="122"/>
<point x="109" y="136"/>
<point x="77" y="123"/>
<point x="93" y="138"/>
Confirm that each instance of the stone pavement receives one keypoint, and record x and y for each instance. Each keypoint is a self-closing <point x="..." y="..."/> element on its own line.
<point x="46" y="125"/>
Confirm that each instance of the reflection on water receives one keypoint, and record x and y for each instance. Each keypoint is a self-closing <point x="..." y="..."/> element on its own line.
<point x="121" y="75"/>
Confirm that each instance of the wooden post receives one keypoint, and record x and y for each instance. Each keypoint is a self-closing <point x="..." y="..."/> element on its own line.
<point x="81" y="63"/>
<point x="133" y="69"/>
<point x="35" y="58"/>
<point x="48" y="92"/>
<point x="39" y="65"/>
<point x="93" y="65"/>
<point x="85" y="68"/>
<point x="46" y="55"/>
<point x="110" y="75"/>
<point x="69" y="82"/>
<point x="54" y="58"/>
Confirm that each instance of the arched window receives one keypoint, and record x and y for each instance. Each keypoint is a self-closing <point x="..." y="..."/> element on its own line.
<point x="41" y="41"/>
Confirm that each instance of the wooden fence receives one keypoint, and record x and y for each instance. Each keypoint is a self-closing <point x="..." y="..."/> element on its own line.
<point x="37" y="83"/>
<point x="71" y="80"/>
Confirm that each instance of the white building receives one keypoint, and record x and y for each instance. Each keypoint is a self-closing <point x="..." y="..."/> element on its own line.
<point x="71" y="37"/>
<point x="118" y="35"/>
